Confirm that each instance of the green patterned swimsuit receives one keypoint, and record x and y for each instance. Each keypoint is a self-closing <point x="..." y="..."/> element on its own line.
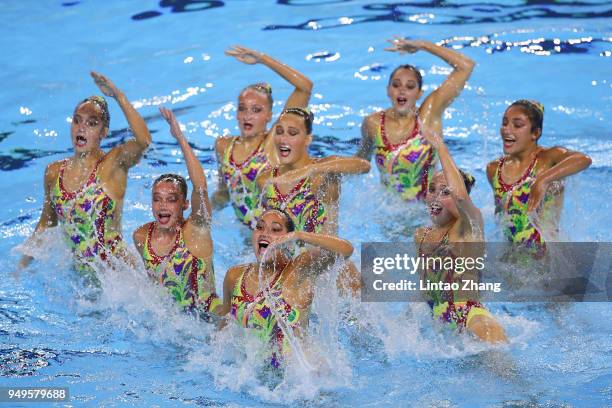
<point x="88" y="217"/>
<point x="240" y="181"/>
<point x="511" y="203"/>
<point x="303" y="206"/>
<point x="407" y="167"/>
<point x="253" y="312"/>
<point x="183" y="274"/>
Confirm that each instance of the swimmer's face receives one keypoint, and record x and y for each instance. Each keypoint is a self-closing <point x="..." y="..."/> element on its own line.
<point x="291" y="138"/>
<point x="516" y="132"/>
<point x="270" y="227"/>
<point x="442" y="207"/>
<point x="168" y="204"/>
<point x="87" y="129"/>
<point x="254" y="113"/>
<point x="403" y="90"/>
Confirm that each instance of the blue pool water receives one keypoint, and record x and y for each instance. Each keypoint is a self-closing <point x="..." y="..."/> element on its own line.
<point x="127" y="346"/>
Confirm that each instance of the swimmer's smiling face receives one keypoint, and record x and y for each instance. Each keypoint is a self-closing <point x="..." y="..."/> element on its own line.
<point x="254" y="113"/>
<point x="442" y="207"/>
<point x="87" y="129"/>
<point x="291" y="138"/>
<point x="404" y="91"/>
<point x="271" y="226"/>
<point x="168" y="204"/>
<point x="516" y="131"/>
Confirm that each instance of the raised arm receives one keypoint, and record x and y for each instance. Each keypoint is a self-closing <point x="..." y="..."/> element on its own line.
<point x="129" y="153"/>
<point x="221" y="196"/>
<point x="200" y="205"/>
<point x="470" y="217"/>
<point x="433" y="106"/>
<point x="366" y="146"/>
<point x="303" y="86"/>
<point x="563" y="163"/>
<point x="48" y="217"/>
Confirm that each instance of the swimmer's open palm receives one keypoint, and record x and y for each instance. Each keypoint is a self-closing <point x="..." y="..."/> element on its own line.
<point x="538" y="191"/>
<point x="244" y="54"/>
<point x="403" y="46"/>
<point x="106" y="85"/>
<point x="175" y="128"/>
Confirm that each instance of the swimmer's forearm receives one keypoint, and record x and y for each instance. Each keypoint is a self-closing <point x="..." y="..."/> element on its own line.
<point x="452" y="57"/>
<point x="135" y="121"/>
<point x="327" y="242"/>
<point x="291" y="75"/>
<point x="573" y="163"/>
<point x="452" y="174"/>
<point x="343" y="165"/>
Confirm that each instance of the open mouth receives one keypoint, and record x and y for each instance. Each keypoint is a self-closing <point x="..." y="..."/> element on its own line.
<point x="508" y="141"/>
<point x="163" y="217"/>
<point x="247" y="126"/>
<point x="81" y="141"/>
<point x="435" y="209"/>
<point x="401" y="101"/>
<point x="284" y="150"/>
<point x="262" y="245"/>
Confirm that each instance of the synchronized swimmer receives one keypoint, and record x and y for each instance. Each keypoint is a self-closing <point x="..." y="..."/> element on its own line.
<point x="286" y="197"/>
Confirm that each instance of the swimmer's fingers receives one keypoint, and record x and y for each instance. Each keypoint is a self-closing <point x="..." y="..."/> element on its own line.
<point x="243" y="54"/>
<point x="175" y="128"/>
<point x="402" y="45"/>
<point x="106" y="85"/>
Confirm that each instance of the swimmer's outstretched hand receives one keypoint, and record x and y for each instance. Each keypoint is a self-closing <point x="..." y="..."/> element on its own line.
<point x="106" y="85"/>
<point x="175" y="128"/>
<point x="434" y="138"/>
<point x="538" y="190"/>
<point x="404" y="46"/>
<point x="244" y="54"/>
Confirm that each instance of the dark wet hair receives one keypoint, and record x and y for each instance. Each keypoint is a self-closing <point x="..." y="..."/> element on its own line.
<point x="289" y="224"/>
<point x="305" y="114"/>
<point x="534" y="111"/>
<point x="468" y="180"/>
<point x="100" y="102"/>
<point x="173" y="178"/>
<point x="261" y="87"/>
<point x="412" y="68"/>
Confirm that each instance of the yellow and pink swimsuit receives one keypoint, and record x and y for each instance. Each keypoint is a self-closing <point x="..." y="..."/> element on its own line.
<point x="182" y="273"/>
<point x="88" y="217"/>
<point x="511" y="203"/>
<point x="303" y="206"/>
<point x="240" y="181"/>
<point x="255" y="312"/>
<point x="407" y="167"/>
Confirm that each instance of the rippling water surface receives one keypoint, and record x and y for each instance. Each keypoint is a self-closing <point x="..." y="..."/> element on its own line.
<point x="125" y="345"/>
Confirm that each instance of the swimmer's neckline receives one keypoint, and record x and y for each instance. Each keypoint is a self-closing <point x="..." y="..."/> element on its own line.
<point x="90" y="179"/>
<point x="507" y="187"/>
<point x="390" y="146"/>
<point x="248" y="158"/>
<point x="157" y="258"/>
<point x="292" y="192"/>
<point x="247" y="295"/>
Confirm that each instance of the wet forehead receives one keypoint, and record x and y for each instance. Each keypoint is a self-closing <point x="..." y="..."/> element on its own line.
<point x="88" y="109"/>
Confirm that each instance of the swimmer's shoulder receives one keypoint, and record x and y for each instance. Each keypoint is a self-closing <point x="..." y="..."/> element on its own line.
<point x="140" y="235"/>
<point x="371" y="122"/>
<point x="263" y="177"/>
<point x="52" y="171"/>
<point x="491" y="169"/>
<point x="549" y="156"/>
<point x="233" y="273"/>
<point x="222" y="143"/>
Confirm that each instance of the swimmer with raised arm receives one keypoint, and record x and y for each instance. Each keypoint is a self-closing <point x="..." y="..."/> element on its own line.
<point x="178" y="252"/>
<point x="273" y="296"/>
<point x="242" y="158"/>
<point x="457" y="231"/>
<point x="405" y="162"/>
<point x="527" y="179"/>
<point x="84" y="193"/>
